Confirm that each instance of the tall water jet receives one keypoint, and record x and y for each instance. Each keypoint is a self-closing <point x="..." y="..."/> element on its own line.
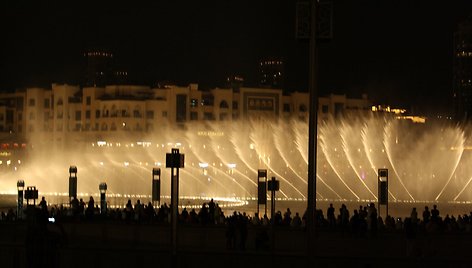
<point x="428" y="162"/>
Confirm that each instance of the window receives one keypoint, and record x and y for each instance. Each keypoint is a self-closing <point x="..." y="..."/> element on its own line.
<point x="136" y="113"/>
<point x="59" y="115"/>
<point x="149" y="127"/>
<point x="87" y="114"/>
<point x="46" y="116"/>
<point x="338" y="109"/>
<point x="31" y="128"/>
<point x="46" y="103"/>
<point x="181" y="108"/>
<point x="150" y="114"/>
<point x="224" y="104"/>
<point x="302" y="108"/>
<point x="208" y="116"/>
<point x="31" y="116"/>
<point x="20" y="116"/>
<point x="104" y="126"/>
<point x="97" y="114"/>
<point x="235" y="105"/>
<point x="20" y="128"/>
<point x="223" y="116"/>
<point x="2" y="117"/>
<point x="113" y="127"/>
<point x="114" y="112"/>
<point x="77" y="127"/>
<point x="193" y="103"/>
<point x="287" y="107"/>
<point x="324" y="109"/>
<point x="88" y="100"/>
<point x="78" y="115"/>
<point x="164" y="114"/>
<point x="31" y="102"/>
<point x="193" y="116"/>
<point x="59" y="101"/>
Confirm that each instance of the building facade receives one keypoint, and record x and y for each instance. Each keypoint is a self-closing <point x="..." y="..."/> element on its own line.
<point x="66" y="114"/>
<point x="272" y="73"/>
<point x="462" y="71"/>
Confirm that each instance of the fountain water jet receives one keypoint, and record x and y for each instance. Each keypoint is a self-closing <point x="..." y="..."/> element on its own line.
<point x="428" y="162"/>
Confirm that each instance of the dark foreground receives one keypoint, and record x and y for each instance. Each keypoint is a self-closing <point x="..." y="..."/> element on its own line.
<point x="122" y="244"/>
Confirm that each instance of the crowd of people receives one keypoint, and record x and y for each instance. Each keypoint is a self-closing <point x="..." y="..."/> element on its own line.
<point x="364" y="220"/>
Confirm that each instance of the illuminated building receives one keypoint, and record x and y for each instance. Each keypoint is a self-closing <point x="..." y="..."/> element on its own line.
<point x="462" y="71"/>
<point x="99" y="68"/>
<point x="271" y="73"/>
<point x="65" y="114"/>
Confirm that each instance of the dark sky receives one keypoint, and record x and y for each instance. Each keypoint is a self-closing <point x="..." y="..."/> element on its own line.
<point x="396" y="51"/>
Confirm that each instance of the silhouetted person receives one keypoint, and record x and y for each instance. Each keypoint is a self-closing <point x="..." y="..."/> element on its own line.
<point x="372" y="214"/>
<point x="414" y="217"/>
<point x="296" y="221"/>
<point x="211" y="212"/>
<point x="435" y="214"/>
<point x="90" y="208"/>
<point x="287" y="217"/>
<point x="231" y="231"/>
<point x="81" y="207"/>
<point x="74" y="204"/>
<point x="184" y="215"/>
<point x="242" y="228"/>
<point x="43" y="210"/>
<point x="330" y="215"/>
<point x="149" y="212"/>
<point x="426" y="215"/>
<point x="138" y="210"/>
<point x="129" y="211"/>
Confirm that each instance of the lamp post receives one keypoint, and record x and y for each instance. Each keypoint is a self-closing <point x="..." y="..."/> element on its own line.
<point x="174" y="161"/>
<point x="20" y="185"/>
<point x="383" y="189"/>
<point x="72" y="183"/>
<point x="262" y="190"/>
<point x="156" y="185"/>
<point x="103" y="199"/>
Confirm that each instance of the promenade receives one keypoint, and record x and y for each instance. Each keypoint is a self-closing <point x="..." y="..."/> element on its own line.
<point x="105" y="243"/>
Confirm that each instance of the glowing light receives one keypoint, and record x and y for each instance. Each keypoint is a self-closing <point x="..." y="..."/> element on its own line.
<point x="203" y="165"/>
<point x="231" y="165"/>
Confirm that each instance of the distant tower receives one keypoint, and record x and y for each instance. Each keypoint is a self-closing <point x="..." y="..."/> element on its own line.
<point x="235" y="82"/>
<point x="99" y="68"/>
<point x="120" y="77"/>
<point x="462" y="71"/>
<point x="271" y="73"/>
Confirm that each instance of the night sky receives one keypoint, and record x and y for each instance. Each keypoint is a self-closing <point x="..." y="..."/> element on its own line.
<point x="398" y="52"/>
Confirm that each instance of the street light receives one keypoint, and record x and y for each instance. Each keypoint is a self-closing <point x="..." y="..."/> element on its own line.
<point x="156" y="185"/>
<point x="20" y="185"/>
<point x="103" y="199"/>
<point x="72" y="182"/>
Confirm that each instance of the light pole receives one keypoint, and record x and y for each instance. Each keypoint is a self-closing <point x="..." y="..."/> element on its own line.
<point x="20" y="185"/>
<point x="174" y="161"/>
<point x="103" y="198"/>
<point x="72" y="183"/>
<point x="156" y="185"/>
